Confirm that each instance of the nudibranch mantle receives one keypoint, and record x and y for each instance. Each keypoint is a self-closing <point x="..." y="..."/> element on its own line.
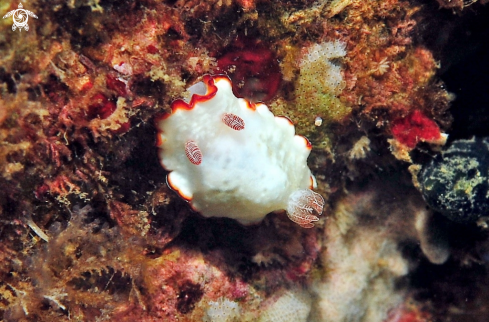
<point x="232" y="158"/>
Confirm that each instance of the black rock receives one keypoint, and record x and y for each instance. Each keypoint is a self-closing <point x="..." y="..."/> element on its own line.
<point x="456" y="182"/>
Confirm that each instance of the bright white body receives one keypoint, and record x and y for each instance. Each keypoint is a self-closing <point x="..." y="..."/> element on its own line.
<point x="244" y="174"/>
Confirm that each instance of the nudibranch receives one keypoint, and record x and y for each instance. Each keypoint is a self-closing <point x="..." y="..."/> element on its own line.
<point x="232" y="158"/>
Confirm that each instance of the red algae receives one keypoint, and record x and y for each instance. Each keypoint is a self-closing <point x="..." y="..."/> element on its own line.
<point x="101" y="107"/>
<point x="253" y="69"/>
<point x="414" y="128"/>
<point x="116" y="84"/>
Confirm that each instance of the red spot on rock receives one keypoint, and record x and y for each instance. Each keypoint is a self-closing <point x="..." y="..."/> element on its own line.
<point x="116" y="85"/>
<point x="87" y="86"/>
<point x="410" y="317"/>
<point x="253" y="69"/>
<point x="41" y="192"/>
<point x="101" y="107"/>
<point x="143" y="102"/>
<point x="408" y="313"/>
<point x="414" y="128"/>
<point x="152" y="49"/>
<point x="240" y="290"/>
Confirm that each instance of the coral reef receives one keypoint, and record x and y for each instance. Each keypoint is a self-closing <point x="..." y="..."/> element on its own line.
<point x="90" y="230"/>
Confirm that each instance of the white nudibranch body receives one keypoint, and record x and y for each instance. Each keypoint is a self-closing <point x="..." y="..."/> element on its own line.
<point x="232" y="158"/>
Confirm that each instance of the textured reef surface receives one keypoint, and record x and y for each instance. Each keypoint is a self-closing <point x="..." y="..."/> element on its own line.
<point x="90" y="230"/>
